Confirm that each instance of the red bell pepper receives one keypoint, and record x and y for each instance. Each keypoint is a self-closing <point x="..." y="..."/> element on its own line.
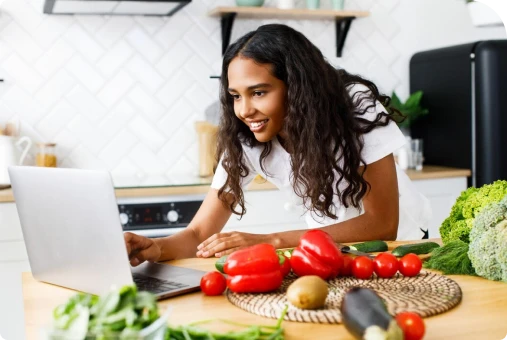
<point x="255" y="269"/>
<point x="317" y="254"/>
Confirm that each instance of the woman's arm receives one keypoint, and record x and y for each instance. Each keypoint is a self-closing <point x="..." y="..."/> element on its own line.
<point x="381" y="210"/>
<point x="209" y="219"/>
<point x="379" y="221"/>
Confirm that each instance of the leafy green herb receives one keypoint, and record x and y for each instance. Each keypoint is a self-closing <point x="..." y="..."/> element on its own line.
<point x="124" y="311"/>
<point x="249" y="332"/>
<point x="451" y="258"/>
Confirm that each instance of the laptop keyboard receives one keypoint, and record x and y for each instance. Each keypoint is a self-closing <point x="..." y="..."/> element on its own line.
<point x="155" y="285"/>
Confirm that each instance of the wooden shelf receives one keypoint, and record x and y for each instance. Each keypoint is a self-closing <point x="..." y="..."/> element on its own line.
<point x="296" y="13"/>
<point x="343" y="19"/>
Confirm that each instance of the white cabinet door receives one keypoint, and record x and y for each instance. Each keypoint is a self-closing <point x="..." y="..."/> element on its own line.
<point x="442" y="194"/>
<point x="12" y="249"/>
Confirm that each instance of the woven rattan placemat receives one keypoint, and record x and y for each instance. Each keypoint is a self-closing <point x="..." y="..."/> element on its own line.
<point x="427" y="294"/>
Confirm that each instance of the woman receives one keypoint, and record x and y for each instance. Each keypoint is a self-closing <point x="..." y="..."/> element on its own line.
<point x="319" y="134"/>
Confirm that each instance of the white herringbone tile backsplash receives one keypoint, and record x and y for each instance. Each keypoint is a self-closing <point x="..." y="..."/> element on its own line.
<point x="123" y="92"/>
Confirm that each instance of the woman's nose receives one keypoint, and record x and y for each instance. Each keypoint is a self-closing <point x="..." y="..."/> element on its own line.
<point x="246" y="109"/>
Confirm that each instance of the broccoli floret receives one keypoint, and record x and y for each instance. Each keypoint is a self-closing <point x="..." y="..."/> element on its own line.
<point x="466" y="208"/>
<point x="488" y="240"/>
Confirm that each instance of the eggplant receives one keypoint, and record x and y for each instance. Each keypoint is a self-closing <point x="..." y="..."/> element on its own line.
<point x="365" y="316"/>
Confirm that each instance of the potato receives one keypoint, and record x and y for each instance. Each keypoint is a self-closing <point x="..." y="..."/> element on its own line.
<point x="308" y="292"/>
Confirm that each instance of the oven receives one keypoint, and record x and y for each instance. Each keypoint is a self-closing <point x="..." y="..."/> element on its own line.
<point x="158" y="216"/>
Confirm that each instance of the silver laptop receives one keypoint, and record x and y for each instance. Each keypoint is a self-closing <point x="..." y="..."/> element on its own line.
<point x="74" y="238"/>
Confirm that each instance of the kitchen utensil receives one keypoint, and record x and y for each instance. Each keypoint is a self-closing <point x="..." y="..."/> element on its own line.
<point x="9" y="154"/>
<point x="207" y="139"/>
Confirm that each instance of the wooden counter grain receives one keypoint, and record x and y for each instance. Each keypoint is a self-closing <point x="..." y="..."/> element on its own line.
<point x="480" y="315"/>
<point x="428" y="172"/>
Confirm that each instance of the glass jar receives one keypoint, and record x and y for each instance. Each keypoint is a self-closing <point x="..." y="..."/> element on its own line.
<point x="46" y="155"/>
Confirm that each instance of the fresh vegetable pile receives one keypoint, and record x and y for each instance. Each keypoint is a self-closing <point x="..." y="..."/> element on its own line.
<point x="121" y="312"/>
<point x="466" y="208"/>
<point x="479" y="249"/>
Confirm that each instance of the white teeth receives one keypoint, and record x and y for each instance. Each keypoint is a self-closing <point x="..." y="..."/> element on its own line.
<point x="257" y="124"/>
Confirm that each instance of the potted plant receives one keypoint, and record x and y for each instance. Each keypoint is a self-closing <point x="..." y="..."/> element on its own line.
<point x="411" y="110"/>
<point x="482" y="15"/>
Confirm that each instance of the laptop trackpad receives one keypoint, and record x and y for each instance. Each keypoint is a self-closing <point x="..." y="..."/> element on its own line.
<point x="167" y="272"/>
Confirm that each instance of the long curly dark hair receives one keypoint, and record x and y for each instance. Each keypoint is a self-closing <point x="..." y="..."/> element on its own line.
<point x="322" y="122"/>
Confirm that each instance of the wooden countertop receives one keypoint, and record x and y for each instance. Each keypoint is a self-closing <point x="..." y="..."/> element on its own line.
<point x="480" y="315"/>
<point x="428" y="172"/>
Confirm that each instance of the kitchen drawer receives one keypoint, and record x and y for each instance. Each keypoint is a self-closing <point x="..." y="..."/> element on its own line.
<point x="10" y="228"/>
<point x="13" y="251"/>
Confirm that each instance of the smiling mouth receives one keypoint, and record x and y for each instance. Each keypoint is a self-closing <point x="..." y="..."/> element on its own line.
<point x="257" y="126"/>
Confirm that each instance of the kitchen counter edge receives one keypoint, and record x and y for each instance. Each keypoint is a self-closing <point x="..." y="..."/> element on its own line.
<point x="428" y="172"/>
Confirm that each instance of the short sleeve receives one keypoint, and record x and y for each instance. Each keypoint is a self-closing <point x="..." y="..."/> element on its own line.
<point x="220" y="176"/>
<point x="383" y="140"/>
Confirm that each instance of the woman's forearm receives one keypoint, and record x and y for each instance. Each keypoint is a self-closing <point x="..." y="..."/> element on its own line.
<point x="361" y="228"/>
<point x="178" y="246"/>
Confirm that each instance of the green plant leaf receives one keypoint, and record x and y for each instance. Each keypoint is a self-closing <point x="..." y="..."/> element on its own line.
<point x="395" y="101"/>
<point x="414" y="100"/>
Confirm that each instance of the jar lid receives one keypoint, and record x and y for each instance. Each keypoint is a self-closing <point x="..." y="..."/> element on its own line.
<point x="46" y="144"/>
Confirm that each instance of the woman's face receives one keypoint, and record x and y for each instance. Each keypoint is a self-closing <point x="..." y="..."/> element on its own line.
<point x="259" y="97"/>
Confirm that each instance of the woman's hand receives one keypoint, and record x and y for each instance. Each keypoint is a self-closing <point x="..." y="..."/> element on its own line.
<point x="141" y="249"/>
<point x="225" y="243"/>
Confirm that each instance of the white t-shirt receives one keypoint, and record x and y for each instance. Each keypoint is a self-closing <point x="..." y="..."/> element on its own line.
<point x="414" y="208"/>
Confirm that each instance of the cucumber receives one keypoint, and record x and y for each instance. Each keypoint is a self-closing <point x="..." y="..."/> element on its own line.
<point x="370" y="246"/>
<point x="418" y="248"/>
<point x="219" y="265"/>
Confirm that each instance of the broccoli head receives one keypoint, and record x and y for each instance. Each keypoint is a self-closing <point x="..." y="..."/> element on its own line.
<point x="466" y="208"/>
<point x="488" y="240"/>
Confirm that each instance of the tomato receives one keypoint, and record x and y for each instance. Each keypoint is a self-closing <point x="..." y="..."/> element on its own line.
<point x="410" y="265"/>
<point x="213" y="283"/>
<point x="347" y="266"/>
<point x="362" y="267"/>
<point x="385" y="265"/>
<point x="412" y="325"/>
<point x="285" y="266"/>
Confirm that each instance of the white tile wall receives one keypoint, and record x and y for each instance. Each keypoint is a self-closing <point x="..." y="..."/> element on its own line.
<point x="122" y="92"/>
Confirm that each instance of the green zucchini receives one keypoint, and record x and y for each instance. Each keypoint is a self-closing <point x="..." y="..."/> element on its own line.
<point x="219" y="265"/>
<point x="417" y="248"/>
<point x="370" y="246"/>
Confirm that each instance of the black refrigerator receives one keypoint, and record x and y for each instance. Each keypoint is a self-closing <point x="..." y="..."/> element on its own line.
<point x="465" y="91"/>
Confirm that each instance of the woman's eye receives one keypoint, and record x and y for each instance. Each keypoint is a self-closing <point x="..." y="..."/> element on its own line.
<point x="234" y="96"/>
<point x="258" y="93"/>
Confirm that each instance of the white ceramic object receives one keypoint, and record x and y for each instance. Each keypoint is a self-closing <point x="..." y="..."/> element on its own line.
<point x="10" y="148"/>
<point x="483" y="15"/>
<point x="286" y="4"/>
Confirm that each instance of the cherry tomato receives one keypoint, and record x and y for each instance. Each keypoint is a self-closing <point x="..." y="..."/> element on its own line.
<point x="410" y="265"/>
<point x="385" y="265"/>
<point x="347" y="266"/>
<point x="285" y="266"/>
<point x="412" y="325"/>
<point x="362" y="267"/>
<point x="213" y="283"/>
